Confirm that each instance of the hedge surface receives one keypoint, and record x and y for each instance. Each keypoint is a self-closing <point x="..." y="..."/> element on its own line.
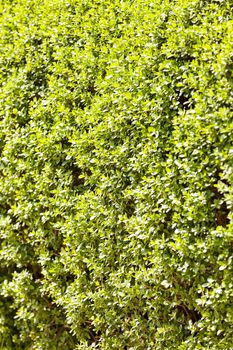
<point x="116" y="173"/>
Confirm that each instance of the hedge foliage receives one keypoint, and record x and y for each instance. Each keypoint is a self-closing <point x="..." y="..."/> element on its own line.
<point x="116" y="174"/>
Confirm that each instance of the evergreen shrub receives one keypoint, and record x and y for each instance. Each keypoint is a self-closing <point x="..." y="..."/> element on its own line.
<point x="116" y="173"/>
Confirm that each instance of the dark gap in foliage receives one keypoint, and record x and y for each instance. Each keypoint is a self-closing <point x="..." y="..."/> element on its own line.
<point x="222" y="215"/>
<point x="184" y="97"/>
<point x="6" y="269"/>
<point x="229" y="71"/>
<point x="130" y="207"/>
<point x="49" y="302"/>
<point x="69" y="277"/>
<point x="76" y="172"/>
<point x="145" y="315"/>
<point x="91" y="88"/>
<point x="65" y="143"/>
<point x="160" y="41"/>
<point x="35" y="41"/>
<point x="190" y="314"/>
<point x="185" y="101"/>
<point x="165" y="223"/>
<point x="5" y="207"/>
<point x="76" y="102"/>
<point x="93" y="334"/>
<point x="103" y="73"/>
<point x="36" y="271"/>
<point x="80" y="103"/>
<point x="222" y="211"/>
<point x="87" y="274"/>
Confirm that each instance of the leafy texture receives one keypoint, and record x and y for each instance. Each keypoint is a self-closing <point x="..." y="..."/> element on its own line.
<point x="116" y="172"/>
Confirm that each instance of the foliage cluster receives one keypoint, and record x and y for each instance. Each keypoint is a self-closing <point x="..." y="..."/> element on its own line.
<point x="116" y="172"/>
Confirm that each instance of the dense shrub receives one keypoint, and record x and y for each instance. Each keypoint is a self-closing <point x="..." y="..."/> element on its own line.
<point x="116" y="174"/>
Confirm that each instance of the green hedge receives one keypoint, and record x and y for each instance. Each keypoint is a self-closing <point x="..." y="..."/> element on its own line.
<point x="116" y="174"/>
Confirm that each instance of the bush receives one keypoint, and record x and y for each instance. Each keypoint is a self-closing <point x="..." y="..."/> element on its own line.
<point x="116" y="174"/>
